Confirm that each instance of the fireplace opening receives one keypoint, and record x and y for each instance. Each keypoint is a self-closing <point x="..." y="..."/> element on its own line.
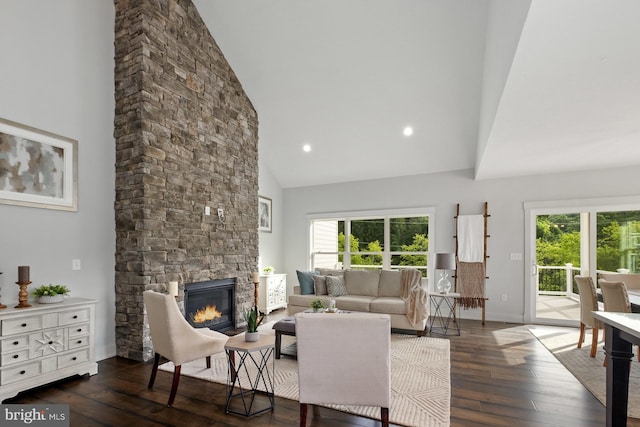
<point x="211" y="304"/>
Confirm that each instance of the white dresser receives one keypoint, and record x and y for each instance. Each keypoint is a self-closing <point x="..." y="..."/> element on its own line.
<point x="45" y="343"/>
<point x="272" y="292"/>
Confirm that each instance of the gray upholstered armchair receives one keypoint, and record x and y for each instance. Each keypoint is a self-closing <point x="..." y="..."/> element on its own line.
<point x="175" y="339"/>
<point x="357" y="343"/>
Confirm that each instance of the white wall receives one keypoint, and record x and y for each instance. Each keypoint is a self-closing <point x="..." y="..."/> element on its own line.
<point x="442" y="191"/>
<point x="57" y="67"/>
<point x="270" y="244"/>
<point x="505" y="19"/>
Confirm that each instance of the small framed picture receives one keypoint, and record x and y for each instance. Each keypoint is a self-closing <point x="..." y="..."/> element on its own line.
<point x="37" y="168"/>
<point x="264" y="214"/>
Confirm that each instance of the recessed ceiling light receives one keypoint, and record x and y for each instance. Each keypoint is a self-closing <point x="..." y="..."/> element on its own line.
<point x="306" y="148"/>
<point x="408" y="131"/>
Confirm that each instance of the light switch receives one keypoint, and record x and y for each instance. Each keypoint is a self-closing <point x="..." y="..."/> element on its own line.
<point x="75" y="264"/>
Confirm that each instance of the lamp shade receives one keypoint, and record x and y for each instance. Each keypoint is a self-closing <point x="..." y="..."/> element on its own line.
<point x="445" y="262"/>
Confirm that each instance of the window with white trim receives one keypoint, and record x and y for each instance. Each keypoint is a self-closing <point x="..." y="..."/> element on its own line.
<point x="390" y="240"/>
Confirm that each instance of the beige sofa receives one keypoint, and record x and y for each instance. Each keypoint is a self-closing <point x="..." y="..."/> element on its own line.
<point x="368" y="291"/>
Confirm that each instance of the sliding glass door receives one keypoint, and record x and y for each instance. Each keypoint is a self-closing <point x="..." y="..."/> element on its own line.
<point x="618" y="241"/>
<point x="559" y="246"/>
<point x="581" y="237"/>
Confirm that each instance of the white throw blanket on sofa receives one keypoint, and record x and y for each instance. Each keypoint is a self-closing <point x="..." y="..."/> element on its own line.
<point x="415" y="296"/>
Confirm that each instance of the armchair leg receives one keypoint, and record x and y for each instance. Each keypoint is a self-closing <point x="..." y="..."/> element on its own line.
<point x="581" y="339"/>
<point x="154" y="370"/>
<point x="174" y="386"/>
<point x="384" y="417"/>
<point x="303" y="415"/>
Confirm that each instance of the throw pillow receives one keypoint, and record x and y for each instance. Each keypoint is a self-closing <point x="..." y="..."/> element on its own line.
<point x="305" y="279"/>
<point x="329" y="272"/>
<point x="320" y="284"/>
<point x="335" y="286"/>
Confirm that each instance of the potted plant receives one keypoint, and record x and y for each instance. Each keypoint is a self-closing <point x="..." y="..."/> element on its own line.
<point x="318" y="304"/>
<point x="253" y="318"/>
<point x="47" y="294"/>
<point x="268" y="270"/>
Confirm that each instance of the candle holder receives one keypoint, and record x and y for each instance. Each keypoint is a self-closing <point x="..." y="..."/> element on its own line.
<point x="23" y="295"/>
<point x="255" y="291"/>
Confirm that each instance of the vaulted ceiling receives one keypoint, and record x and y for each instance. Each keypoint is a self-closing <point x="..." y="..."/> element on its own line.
<point x="505" y="87"/>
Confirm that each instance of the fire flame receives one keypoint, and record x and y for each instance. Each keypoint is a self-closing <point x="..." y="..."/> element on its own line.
<point x="208" y="313"/>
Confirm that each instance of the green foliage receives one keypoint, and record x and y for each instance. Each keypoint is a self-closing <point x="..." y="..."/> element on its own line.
<point x="373" y="259"/>
<point x="420" y="244"/>
<point x="405" y="230"/>
<point x="417" y="242"/>
<point x="402" y="232"/>
<point x="566" y="249"/>
<point x="318" y="304"/>
<point x="558" y="239"/>
<point x="253" y="318"/>
<point x="50" y="290"/>
<point x="354" y="246"/>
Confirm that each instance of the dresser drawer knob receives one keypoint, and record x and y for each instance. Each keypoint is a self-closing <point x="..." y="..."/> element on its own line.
<point x="15" y="356"/>
<point x="79" y="341"/>
<point x="79" y="330"/>
<point x="24" y="325"/>
<point x="16" y="342"/>
<point x="50" y="342"/>
<point x="74" y="358"/>
<point x="75" y="317"/>
<point x="23" y="372"/>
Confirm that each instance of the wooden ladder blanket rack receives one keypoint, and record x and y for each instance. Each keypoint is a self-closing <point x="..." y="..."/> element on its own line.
<point x="471" y="260"/>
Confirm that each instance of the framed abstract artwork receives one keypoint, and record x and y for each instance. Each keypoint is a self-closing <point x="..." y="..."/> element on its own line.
<point x="37" y="168"/>
<point x="264" y="214"/>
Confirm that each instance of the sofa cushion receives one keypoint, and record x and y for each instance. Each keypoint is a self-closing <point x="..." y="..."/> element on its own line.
<point x="390" y="283"/>
<point x="329" y="272"/>
<point x="388" y="305"/>
<point x="302" y="300"/>
<point x="335" y="286"/>
<point x="305" y="279"/>
<point x="320" y="285"/>
<point x="361" y="282"/>
<point x="354" y="303"/>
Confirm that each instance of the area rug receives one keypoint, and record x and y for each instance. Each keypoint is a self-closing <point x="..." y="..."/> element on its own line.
<point x="420" y="379"/>
<point x="562" y="343"/>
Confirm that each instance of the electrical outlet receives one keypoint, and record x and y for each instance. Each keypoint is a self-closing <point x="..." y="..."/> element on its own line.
<point x="516" y="256"/>
<point x="75" y="264"/>
<point x="504" y="297"/>
<point x="207" y="210"/>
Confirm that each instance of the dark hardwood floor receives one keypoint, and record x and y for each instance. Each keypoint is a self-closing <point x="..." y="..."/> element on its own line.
<point x="500" y="376"/>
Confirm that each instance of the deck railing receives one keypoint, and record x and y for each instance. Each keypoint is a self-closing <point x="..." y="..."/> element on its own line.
<point x="558" y="280"/>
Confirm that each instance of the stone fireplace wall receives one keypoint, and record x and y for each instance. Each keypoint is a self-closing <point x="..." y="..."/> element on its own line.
<point x="186" y="138"/>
